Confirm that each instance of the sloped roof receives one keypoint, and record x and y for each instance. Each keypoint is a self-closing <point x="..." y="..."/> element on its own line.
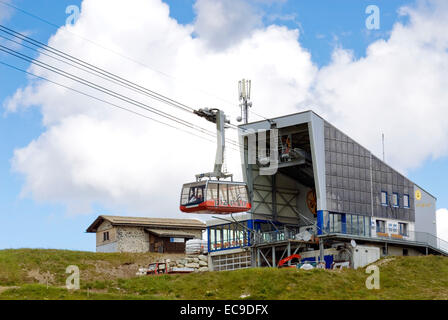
<point x="163" y="233"/>
<point x="147" y="222"/>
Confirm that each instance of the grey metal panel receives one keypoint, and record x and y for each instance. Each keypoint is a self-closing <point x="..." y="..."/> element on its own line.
<point x="357" y="181"/>
<point x="425" y="212"/>
<point x="334" y="153"/>
<point x="317" y="139"/>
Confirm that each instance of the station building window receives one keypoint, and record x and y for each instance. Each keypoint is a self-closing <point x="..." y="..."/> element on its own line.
<point x="384" y="200"/>
<point x="395" y="200"/>
<point x="358" y="225"/>
<point x="406" y="201"/>
<point x="228" y="236"/>
<point x="348" y="224"/>
<point x="403" y="229"/>
<point x="381" y="226"/>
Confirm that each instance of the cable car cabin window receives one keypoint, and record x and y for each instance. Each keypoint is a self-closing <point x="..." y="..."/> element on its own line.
<point x="192" y="195"/>
<point x="212" y="192"/>
<point x="212" y="197"/>
<point x="237" y="196"/>
<point x="184" y="196"/>
<point x="223" y="198"/>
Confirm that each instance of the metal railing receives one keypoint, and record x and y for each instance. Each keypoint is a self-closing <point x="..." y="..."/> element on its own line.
<point x="275" y="236"/>
<point x="415" y="237"/>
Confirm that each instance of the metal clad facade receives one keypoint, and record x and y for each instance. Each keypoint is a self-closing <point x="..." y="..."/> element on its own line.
<point x="425" y="211"/>
<point x="355" y="179"/>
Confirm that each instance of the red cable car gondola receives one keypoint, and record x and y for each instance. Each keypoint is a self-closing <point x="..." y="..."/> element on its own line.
<point x="214" y="197"/>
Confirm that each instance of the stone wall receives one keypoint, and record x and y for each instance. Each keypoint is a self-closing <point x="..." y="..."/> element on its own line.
<point x="188" y="264"/>
<point x="132" y="239"/>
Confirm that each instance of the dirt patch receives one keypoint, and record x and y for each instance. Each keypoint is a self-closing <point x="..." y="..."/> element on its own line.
<point x="108" y="271"/>
<point x="42" y="278"/>
<point x="3" y="289"/>
<point x="383" y="262"/>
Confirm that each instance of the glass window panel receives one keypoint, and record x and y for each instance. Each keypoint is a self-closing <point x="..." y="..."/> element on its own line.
<point x="218" y="238"/>
<point x="380" y="226"/>
<point x="355" y="224"/>
<point x="232" y="235"/>
<point x="395" y="199"/>
<point x="406" y="201"/>
<point x="243" y="193"/>
<point x="185" y="193"/>
<point x="223" y="198"/>
<point x="212" y="239"/>
<point x="367" y="225"/>
<point x="361" y="225"/>
<point x="349" y="223"/>
<point x="212" y="191"/>
<point x="384" y="198"/>
<point x="195" y="195"/>
<point x="403" y="229"/>
<point x="337" y="223"/>
<point x="233" y="193"/>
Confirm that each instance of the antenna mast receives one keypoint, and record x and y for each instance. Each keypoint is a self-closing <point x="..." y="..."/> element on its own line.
<point x="244" y="91"/>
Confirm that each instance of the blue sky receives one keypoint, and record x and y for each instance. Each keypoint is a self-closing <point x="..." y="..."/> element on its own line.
<point x="324" y="25"/>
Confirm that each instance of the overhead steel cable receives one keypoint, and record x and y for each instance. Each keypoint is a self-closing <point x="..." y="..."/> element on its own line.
<point x="34" y="16"/>
<point x="91" y="69"/>
<point x="106" y="102"/>
<point x="102" y="89"/>
<point x="108" y="92"/>
<point x="88" y="70"/>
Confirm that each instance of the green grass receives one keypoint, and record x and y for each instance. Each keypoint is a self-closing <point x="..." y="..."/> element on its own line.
<point x="401" y="278"/>
<point x="35" y="265"/>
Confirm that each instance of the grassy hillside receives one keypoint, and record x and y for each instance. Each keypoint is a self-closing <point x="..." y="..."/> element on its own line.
<point x="24" y="274"/>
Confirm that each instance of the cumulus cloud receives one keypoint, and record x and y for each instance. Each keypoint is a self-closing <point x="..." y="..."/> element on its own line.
<point x="442" y="224"/>
<point x="222" y="23"/>
<point x="93" y="155"/>
<point x="5" y="11"/>
<point x="398" y="88"/>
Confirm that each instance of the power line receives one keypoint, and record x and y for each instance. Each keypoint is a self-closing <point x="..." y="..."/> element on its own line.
<point x="92" y="67"/>
<point x="88" y="70"/>
<point x="105" y="101"/>
<point x="98" y="87"/>
<point x="96" y="72"/>
<point x="34" y="16"/>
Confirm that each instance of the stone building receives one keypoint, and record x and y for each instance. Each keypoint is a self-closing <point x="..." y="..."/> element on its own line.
<point x="128" y="234"/>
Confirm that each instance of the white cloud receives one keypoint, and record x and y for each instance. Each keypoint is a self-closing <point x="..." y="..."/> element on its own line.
<point x="222" y="23"/>
<point x="5" y="11"/>
<point x="442" y="224"/>
<point x="398" y="88"/>
<point x="91" y="154"/>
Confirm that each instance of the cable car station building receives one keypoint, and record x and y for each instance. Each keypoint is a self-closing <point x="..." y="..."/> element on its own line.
<point x="328" y="199"/>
